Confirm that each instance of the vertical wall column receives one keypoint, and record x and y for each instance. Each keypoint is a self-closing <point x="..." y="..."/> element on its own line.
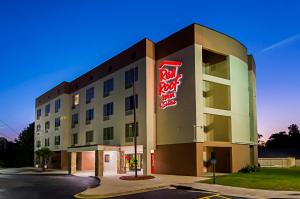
<point x="146" y="162"/>
<point x="99" y="165"/>
<point x="65" y="160"/>
<point x="72" y="164"/>
<point x="121" y="162"/>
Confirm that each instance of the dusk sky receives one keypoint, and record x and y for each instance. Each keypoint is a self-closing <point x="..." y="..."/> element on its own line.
<point x="43" y="43"/>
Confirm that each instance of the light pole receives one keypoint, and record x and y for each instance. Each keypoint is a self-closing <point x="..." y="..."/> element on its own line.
<point x="195" y="132"/>
<point x="134" y="125"/>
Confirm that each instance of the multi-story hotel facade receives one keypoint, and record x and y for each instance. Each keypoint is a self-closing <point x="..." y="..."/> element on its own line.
<point x="194" y="95"/>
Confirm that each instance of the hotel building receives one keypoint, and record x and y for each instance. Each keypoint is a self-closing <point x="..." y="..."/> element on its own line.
<point x="194" y="93"/>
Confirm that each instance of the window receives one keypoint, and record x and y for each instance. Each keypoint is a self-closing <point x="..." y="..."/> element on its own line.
<point x="108" y="86"/>
<point x="38" y="128"/>
<point x="38" y="114"/>
<point x="75" y="100"/>
<point x="89" y="136"/>
<point x="129" y="104"/>
<point x="47" y="109"/>
<point x="89" y="116"/>
<point x="57" y="105"/>
<point x="74" y="119"/>
<point x="106" y="158"/>
<point x="57" y="122"/>
<point x="38" y="144"/>
<point x="108" y="133"/>
<point x="108" y="109"/>
<point x="57" y="140"/>
<point x="47" y="142"/>
<point x="129" y="134"/>
<point x="131" y="75"/>
<point x="89" y="95"/>
<point x="47" y="126"/>
<point x="75" y="139"/>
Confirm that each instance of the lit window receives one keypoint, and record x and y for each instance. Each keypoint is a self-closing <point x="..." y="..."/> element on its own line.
<point x="76" y="99"/>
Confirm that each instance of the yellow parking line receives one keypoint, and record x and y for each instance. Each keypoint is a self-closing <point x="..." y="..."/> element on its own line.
<point x="214" y="195"/>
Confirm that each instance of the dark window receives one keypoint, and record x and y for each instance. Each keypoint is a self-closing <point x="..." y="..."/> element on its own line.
<point x="38" y="113"/>
<point x="108" y="86"/>
<point x="47" y="126"/>
<point x="47" y="142"/>
<point x="57" y="122"/>
<point x="38" y="144"/>
<point x="57" y="140"/>
<point x="75" y="138"/>
<point x="89" y="95"/>
<point x="108" y="133"/>
<point x="74" y="119"/>
<point x="108" y="109"/>
<point x="106" y="158"/>
<point x="89" y="136"/>
<point x="131" y="75"/>
<point x="89" y="115"/>
<point x="47" y="109"/>
<point x="130" y="101"/>
<point x="38" y="128"/>
<point x="57" y="105"/>
<point x="129" y="130"/>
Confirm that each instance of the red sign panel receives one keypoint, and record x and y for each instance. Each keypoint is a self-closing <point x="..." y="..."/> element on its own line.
<point x="169" y="80"/>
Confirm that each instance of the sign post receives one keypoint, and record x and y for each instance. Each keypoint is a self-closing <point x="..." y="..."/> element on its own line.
<point x="214" y="162"/>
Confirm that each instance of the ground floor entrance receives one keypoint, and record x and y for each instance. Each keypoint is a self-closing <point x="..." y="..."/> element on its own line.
<point x="106" y="160"/>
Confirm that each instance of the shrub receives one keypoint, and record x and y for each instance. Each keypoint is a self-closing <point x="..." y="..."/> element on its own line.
<point x="249" y="169"/>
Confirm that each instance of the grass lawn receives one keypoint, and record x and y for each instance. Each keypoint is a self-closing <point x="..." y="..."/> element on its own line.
<point x="266" y="178"/>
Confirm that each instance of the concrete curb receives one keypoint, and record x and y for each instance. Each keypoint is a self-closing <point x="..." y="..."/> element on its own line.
<point x="84" y="196"/>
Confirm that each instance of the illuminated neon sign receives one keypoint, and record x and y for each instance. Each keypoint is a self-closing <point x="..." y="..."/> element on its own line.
<point x="169" y="80"/>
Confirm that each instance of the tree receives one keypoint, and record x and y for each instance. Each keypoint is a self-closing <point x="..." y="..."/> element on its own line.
<point x="25" y="146"/>
<point x="44" y="154"/>
<point x="290" y="139"/>
<point x="261" y="143"/>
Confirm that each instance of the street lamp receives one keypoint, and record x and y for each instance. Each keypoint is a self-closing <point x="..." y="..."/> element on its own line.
<point x="134" y="125"/>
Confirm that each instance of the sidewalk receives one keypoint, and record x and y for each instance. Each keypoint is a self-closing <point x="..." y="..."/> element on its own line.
<point x="243" y="192"/>
<point x="112" y="186"/>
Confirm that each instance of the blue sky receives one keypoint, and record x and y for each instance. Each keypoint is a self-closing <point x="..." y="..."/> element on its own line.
<point x="45" y="42"/>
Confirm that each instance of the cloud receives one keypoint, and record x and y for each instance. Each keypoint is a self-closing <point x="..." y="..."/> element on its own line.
<point x="281" y="43"/>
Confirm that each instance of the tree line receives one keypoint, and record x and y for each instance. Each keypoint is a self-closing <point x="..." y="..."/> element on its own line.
<point x="20" y="152"/>
<point x="283" y="139"/>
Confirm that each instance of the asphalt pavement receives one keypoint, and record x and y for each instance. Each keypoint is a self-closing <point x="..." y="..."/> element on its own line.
<point x="43" y="186"/>
<point x="177" y="194"/>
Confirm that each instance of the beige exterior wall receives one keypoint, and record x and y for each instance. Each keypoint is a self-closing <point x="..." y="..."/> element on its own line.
<point x="62" y="131"/>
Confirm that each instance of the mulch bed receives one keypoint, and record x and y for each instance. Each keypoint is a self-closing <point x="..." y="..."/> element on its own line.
<point x="143" y="177"/>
